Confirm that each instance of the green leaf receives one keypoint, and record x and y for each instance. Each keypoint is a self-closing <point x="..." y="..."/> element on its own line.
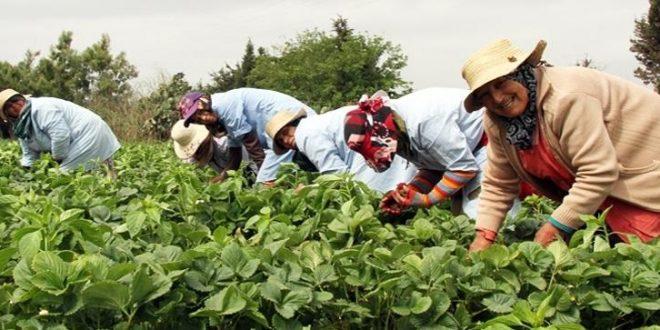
<point x="292" y="302"/>
<point x="50" y="272"/>
<point x="23" y="275"/>
<point x="135" y="222"/>
<point x="497" y="256"/>
<point x="249" y="268"/>
<point x="562" y="256"/>
<point x="70" y="214"/>
<point x="271" y="292"/>
<point x="107" y="295"/>
<point x="419" y="304"/>
<point x="499" y="303"/>
<point x="145" y="287"/>
<point x="5" y="256"/>
<point x="29" y="245"/>
<point x="233" y="257"/>
<point x="226" y="302"/>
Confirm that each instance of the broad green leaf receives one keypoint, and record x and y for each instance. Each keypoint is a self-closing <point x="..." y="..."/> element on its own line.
<point x="30" y="244"/>
<point x="233" y="257"/>
<point x="5" y="256"/>
<point x="8" y="200"/>
<point x="135" y="222"/>
<point x="561" y="254"/>
<point x="50" y="272"/>
<point x="270" y="292"/>
<point x="497" y="256"/>
<point x="419" y="304"/>
<point x="145" y="287"/>
<point x="70" y="214"/>
<point x="292" y="302"/>
<point x="499" y="303"/>
<point x="249" y="268"/>
<point x="23" y="275"/>
<point x="228" y="301"/>
<point x="107" y="295"/>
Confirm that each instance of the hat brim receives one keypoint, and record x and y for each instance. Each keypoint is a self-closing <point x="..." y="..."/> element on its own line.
<point x="490" y="74"/>
<point x="275" y="126"/>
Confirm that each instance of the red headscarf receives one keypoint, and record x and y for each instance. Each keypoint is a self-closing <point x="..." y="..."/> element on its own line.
<point x="371" y="131"/>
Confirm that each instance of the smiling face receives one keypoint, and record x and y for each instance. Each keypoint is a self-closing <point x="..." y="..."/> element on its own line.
<point x="503" y="96"/>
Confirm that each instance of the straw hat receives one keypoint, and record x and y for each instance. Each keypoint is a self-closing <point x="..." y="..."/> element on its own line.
<point x="187" y="139"/>
<point x="495" y="60"/>
<point x="278" y="122"/>
<point x="5" y="95"/>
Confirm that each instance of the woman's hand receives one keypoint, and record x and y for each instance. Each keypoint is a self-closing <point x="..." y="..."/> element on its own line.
<point x="403" y="195"/>
<point x="548" y="234"/>
<point x="483" y="239"/>
<point x="389" y="205"/>
<point x="479" y="243"/>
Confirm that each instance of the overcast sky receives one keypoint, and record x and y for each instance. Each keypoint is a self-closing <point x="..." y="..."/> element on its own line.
<point x="199" y="37"/>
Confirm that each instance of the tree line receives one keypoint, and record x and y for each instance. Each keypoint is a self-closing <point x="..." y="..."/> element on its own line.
<point x="321" y="68"/>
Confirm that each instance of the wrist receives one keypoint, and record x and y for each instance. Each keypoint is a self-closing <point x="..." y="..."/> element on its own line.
<point x="562" y="227"/>
<point x="486" y="234"/>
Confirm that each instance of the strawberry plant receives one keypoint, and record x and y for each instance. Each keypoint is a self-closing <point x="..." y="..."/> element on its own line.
<point x="161" y="248"/>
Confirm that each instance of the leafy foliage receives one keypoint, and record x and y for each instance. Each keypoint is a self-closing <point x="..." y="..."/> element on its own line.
<point x="327" y="71"/>
<point x="162" y="104"/>
<point x="161" y="248"/>
<point x="646" y="46"/>
<point x="93" y="73"/>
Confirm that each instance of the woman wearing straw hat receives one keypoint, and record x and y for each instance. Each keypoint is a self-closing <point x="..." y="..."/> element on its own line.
<point x="582" y="137"/>
<point x="430" y="129"/>
<point x="321" y="139"/>
<point x="195" y="144"/>
<point x="241" y="114"/>
<point x="73" y="135"/>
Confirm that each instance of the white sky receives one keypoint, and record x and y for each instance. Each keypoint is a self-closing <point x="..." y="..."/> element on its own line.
<point x="199" y="37"/>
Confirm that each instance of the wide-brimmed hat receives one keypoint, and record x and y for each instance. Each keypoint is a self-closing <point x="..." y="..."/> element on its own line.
<point x="278" y="121"/>
<point x="495" y="60"/>
<point x="188" y="139"/>
<point x="5" y="95"/>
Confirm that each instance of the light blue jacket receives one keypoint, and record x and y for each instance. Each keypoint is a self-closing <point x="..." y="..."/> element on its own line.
<point x="443" y="136"/>
<point x="71" y="133"/>
<point x="321" y="139"/>
<point x="244" y="110"/>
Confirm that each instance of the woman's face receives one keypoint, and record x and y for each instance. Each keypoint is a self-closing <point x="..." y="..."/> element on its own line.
<point x="13" y="109"/>
<point x="286" y="137"/>
<point x="204" y="117"/>
<point x="503" y="96"/>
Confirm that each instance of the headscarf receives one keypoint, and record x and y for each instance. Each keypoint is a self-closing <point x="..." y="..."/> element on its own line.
<point x="520" y="130"/>
<point x="371" y="131"/>
<point x="23" y="126"/>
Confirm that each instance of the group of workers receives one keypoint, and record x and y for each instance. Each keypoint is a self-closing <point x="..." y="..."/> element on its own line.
<point x="584" y="138"/>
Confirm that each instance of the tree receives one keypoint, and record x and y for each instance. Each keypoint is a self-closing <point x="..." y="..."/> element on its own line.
<point x="68" y="74"/>
<point x="646" y="46"/>
<point x="162" y="102"/>
<point x="587" y="62"/>
<point x="329" y="70"/>
<point x="234" y="77"/>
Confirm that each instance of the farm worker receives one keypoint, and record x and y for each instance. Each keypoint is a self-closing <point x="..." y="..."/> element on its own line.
<point x="73" y="135"/>
<point x="431" y="129"/>
<point x="321" y="139"/>
<point x="241" y="114"/>
<point x="195" y="144"/>
<point x="582" y="137"/>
